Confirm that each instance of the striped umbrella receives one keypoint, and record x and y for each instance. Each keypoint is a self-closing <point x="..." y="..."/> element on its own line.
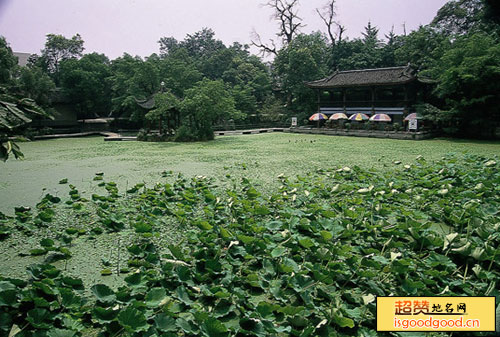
<point x="318" y="117"/>
<point x="359" y="117"/>
<point x="337" y="116"/>
<point x="412" y="116"/>
<point x="380" y="118"/>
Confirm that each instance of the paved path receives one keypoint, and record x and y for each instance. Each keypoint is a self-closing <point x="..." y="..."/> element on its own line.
<point x="79" y="134"/>
<point x="112" y="136"/>
<point x="248" y="132"/>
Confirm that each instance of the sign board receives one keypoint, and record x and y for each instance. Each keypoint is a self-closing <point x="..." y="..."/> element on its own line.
<point x="413" y="124"/>
<point x="294" y="121"/>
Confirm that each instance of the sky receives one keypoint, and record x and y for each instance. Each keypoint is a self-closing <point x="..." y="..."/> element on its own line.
<point x="113" y="27"/>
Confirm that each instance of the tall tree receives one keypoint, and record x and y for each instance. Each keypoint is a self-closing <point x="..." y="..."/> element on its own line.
<point x="458" y="17"/>
<point x="34" y="83"/>
<point x="206" y="103"/>
<point x="389" y="49"/>
<point x="305" y="59"/>
<point x="86" y="83"/>
<point x="360" y="53"/>
<point x="8" y="62"/>
<point x="179" y="72"/>
<point x="59" y="48"/>
<point x="334" y="29"/>
<point x="370" y="36"/>
<point x="201" y="44"/>
<point x="421" y="48"/>
<point x="289" y="24"/>
<point x="16" y="111"/>
<point x="123" y="69"/>
<point x="468" y="80"/>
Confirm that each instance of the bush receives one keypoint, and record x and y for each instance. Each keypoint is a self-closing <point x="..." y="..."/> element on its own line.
<point x="141" y="135"/>
<point x="186" y="134"/>
<point x="145" y="136"/>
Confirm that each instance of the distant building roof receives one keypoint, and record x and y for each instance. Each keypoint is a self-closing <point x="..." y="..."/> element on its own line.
<point x="22" y="58"/>
<point x="366" y="77"/>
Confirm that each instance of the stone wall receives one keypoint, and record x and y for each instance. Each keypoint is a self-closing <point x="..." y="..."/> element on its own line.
<point x="367" y="133"/>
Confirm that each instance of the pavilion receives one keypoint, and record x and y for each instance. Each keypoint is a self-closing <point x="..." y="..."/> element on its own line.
<point x="391" y="91"/>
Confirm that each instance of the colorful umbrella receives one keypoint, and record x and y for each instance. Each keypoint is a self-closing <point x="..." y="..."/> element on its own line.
<point x="380" y="118"/>
<point x="318" y="117"/>
<point x="412" y="116"/>
<point x="359" y="117"/>
<point x="337" y="116"/>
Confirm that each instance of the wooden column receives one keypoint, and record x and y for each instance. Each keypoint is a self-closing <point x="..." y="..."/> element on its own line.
<point x="373" y="99"/>
<point x="406" y="100"/>
<point x="318" y="93"/>
<point x="344" y="94"/>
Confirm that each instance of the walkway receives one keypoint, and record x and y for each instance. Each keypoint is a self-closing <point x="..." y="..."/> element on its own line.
<point x="248" y="132"/>
<point x="79" y="134"/>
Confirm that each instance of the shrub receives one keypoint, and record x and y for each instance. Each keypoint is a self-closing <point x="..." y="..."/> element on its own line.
<point x="186" y="134"/>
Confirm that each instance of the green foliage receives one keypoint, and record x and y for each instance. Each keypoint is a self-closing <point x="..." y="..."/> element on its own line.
<point x="179" y="72"/>
<point x="14" y="113"/>
<point x="8" y="62"/>
<point x="304" y="59"/>
<point x="85" y="82"/>
<point x="201" y="44"/>
<point x="467" y="76"/>
<point x="460" y="17"/>
<point x="206" y="103"/>
<point x="421" y="48"/>
<point x="59" y="48"/>
<point x="34" y="83"/>
<point x="166" y="105"/>
<point x="312" y="263"/>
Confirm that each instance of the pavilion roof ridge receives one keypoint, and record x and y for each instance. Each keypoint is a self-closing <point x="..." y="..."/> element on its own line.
<point x="362" y="77"/>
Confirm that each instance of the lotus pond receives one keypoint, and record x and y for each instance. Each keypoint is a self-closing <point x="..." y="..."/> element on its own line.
<point x="259" y="157"/>
<point x="269" y="235"/>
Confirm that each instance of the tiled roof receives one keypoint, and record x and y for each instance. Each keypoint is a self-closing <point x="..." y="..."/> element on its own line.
<point x="365" y="77"/>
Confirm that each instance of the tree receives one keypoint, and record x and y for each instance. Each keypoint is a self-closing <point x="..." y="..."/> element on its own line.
<point x="421" y="48"/>
<point x="370" y="37"/>
<point x="8" y="62"/>
<point x="166" y="107"/>
<point x="468" y="77"/>
<point x="57" y="49"/>
<point x="305" y="59"/>
<point x="34" y="83"/>
<point x="289" y="23"/>
<point x="201" y="44"/>
<point x="86" y="83"/>
<point x="328" y="17"/>
<point x="364" y="53"/>
<point x="16" y="111"/>
<point x="206" y="103"/>
<point x="458" y="17"/>
<point x="389" y="49"/>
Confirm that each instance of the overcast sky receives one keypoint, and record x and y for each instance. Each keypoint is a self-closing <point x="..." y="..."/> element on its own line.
<point x="113" y="27"/>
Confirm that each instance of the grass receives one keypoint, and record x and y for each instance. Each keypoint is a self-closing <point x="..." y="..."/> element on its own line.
<point x="259" y="157"/>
